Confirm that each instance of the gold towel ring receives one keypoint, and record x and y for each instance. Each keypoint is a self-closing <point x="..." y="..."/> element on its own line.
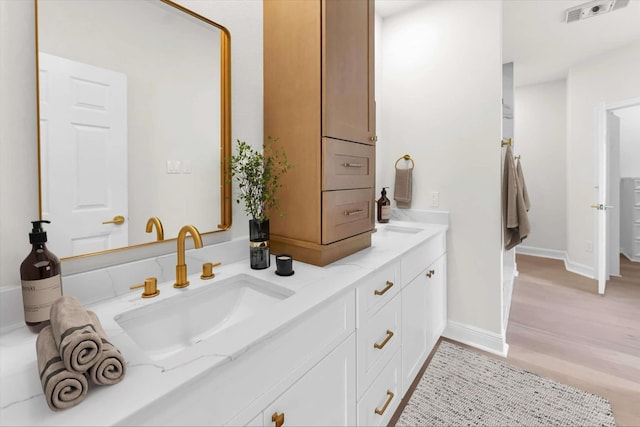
<point x="405" y="157"/>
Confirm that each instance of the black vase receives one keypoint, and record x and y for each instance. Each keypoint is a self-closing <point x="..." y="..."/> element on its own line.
<point x="259" y="244"/>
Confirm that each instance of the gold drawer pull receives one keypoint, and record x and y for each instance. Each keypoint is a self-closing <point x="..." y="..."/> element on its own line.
<point x="349" y="213"/>
<point x="431" y="273"/>
<point x="118" y="219"/>
<point x="389" y="399"/>
<point x="383" y="343"/>
<point x="278" y="419"/>
<point x="353" y="165"/>
<point x="386" y="288"/>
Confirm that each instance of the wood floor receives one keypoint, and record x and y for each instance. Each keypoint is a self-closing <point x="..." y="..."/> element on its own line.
<point x="561" y="328"/>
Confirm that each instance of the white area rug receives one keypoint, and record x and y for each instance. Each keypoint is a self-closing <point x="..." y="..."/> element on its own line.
<point x="460" y="387"/>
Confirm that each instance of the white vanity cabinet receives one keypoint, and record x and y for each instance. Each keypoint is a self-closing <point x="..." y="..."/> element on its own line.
<point x="379" y="332"/>
<point x="240" y="390"/>
<point x="323" y="396"/>
<point x="401" y="314"/>
<point x="424" y="302"/>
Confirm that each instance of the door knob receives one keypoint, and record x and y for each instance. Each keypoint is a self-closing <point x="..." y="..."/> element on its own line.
<point x="602" y="207"/>
<point x="118" y="219"/>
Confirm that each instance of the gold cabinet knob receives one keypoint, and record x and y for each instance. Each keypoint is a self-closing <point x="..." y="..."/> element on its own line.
<point x="150" y="287"/>
<point x="118" y="219"/>
<point x="278" y="419"/>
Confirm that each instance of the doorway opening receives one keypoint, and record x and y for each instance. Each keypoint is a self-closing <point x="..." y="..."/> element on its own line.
<point x="614" y="154"/>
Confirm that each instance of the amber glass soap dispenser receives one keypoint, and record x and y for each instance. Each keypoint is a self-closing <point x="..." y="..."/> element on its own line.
<point x="41" y="280"/>
<point x="384" y="207"/>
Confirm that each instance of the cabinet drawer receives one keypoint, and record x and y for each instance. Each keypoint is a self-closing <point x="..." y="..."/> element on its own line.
<point x="416" y="259"/>
<point x="346" y="213"/>
<point x="378" y="340"/>
<point x="385" y="390"/>
<point x="347" y="165"/>
<point x="376" y="290"/>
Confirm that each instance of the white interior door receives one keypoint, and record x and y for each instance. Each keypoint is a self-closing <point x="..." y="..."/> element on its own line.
<point x="83" y="136"/>
<point x="613" y="216"/>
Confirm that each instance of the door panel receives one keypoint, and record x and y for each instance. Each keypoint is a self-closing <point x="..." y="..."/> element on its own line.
<point x="83" y="119"/>
<point x="348" y="92"/>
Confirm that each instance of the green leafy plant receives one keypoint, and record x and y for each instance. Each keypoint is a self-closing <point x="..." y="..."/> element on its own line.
<point x="258" y="175"/>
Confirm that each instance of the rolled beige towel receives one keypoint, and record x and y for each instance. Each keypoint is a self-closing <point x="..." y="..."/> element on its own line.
<point x="78" y="342"/>
<point x="110" y="367"/>
<point x="62" y="388"/>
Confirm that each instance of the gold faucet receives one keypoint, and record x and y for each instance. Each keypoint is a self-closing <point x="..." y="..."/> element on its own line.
<point x="154" y="220"/>
<point x="181" y="268"/>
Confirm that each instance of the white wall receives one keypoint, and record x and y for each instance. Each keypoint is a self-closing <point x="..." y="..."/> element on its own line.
<point x="18" y="134"/>
<point x="441" y="104"/>
<point x="606" y="78"/>
<point x="629" y="141"/>
<point x="541" y="141"/>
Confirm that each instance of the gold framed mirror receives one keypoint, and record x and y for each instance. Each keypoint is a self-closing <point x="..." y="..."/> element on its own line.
<point x="134" y="123"/>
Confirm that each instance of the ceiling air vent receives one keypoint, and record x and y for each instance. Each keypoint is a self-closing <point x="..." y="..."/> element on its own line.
<point x="593" y="8"/>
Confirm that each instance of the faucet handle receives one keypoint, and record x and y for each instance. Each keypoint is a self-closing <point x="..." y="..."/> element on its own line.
<point x="207" y="270"/>
<point x="150" y="287"/>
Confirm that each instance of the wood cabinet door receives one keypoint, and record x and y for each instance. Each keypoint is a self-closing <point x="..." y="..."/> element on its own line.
<point x="348" y="70"/>
<point x="324" y="396"/>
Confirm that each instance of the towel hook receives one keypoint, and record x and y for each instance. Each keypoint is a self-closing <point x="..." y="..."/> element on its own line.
<point x="517" y="157"/>
<point x="405" y="157"/>
<point x="509" y="143"/>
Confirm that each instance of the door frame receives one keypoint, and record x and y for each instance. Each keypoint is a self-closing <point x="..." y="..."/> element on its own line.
<point x="602" y="172"/>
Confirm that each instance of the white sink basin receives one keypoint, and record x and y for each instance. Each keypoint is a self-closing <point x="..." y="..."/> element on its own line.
<point x="169" y="326"/>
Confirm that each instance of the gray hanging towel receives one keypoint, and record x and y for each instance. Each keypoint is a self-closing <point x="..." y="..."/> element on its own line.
<point x="402" y="188"/>
<point x="525" y="193"/>
<point x="516" y="221"/>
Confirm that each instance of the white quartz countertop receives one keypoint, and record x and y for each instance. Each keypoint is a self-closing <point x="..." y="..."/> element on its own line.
<point x="22" y="401"/>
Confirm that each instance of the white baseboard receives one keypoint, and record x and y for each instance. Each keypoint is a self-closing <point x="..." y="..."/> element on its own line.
<point x="581" y="269"/>
<point x="541" y="252"/>
<point x="574" y="267"/>
<point x="629" y="257"/>
<point x="476" y="337"/>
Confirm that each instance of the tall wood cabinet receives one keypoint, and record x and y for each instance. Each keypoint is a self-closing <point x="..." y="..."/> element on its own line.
<point x="319" y="103"/>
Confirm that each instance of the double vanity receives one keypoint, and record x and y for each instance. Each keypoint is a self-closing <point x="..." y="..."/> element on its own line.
<point x="333" y="345"/>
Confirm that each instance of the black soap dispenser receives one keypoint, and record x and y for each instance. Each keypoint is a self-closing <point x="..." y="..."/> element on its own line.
<point x="384" y="207"/>
<point x="41" y="279"/>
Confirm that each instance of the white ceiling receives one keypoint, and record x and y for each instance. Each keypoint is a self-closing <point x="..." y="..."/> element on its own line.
<point x="538" y="41"/>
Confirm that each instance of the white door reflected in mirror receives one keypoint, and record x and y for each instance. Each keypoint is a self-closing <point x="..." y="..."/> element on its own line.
<point x="174" y="64"/>
<point x="83" y="143"/>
